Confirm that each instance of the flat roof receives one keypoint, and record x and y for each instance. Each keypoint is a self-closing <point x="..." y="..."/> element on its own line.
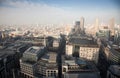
<point x="84" y="64"/>
<point x="82" y="42"/>
<point x="48" y="65"/>
<point x="82" y="75"/>
<point x="75" y="62"/>
<point x="50" y="56"/>
<point x="70" y="62"/>
<point x="5" y="52"/>
<point x="80" y="61"/>
<point x="34" y="49"/>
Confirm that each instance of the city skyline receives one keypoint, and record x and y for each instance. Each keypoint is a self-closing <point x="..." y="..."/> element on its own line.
<point x="58" y="12"/>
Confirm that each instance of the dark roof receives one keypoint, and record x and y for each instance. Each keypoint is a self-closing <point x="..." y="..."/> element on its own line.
<point x="29" y="62"/>
<point x="83" y="42"/>
<point x="82" y="75"/>
<point x="115" y="70"/>
<point x="5" y="53"/>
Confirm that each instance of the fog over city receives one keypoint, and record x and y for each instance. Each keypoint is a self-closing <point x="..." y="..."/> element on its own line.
<point x="57" y="12"/>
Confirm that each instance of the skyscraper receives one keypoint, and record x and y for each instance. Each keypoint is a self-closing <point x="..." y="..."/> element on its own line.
<point x="82" y="24"/>
<point x="77" y="26"/>
<point x="111" y="26"/>
<point x="97" y="25"/>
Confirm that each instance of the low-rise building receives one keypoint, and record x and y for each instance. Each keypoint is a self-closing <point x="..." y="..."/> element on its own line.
<point x="112" y="55"/>
<point x="27" y="69"/>
<point x="28" y="63"/>
<point x="89" y="53"/>
<point x="47" y="65"/>
<point x="83" y="47"/>
<point x="78" y="68"/>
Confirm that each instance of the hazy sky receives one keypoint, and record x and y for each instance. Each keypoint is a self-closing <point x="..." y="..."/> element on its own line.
<point x="58" y="11"/>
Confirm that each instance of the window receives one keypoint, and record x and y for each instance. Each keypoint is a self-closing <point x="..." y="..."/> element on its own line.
<point x="64" y="69"/>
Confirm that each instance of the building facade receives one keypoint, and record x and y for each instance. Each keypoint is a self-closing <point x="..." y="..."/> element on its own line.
<point x="89" y="53"/>
<point x="28" y="63"/>
<point x="78" y="68"/>
<point x="83" y="47"/>
<point x="112" y="55"/>
<point x="69" y="49"/>
<point x="47" y="65"/>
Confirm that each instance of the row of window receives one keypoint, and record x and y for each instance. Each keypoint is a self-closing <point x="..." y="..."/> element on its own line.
<point x="27" y="69"/>
<point x="51" y="73"/>
<point x="90" y="49"/>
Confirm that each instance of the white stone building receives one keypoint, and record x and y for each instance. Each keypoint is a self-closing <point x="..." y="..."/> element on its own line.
<point x="69" y="49"/>
<point x="89" y="53"/>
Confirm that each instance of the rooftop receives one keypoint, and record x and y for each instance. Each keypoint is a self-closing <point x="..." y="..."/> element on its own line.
<point x="15" y="46"/>
<point x="34" y="49"/>
<point x="70" y="62"/>
<point x="114" y="50"/>
<point x="75" y="62"/>
<point x="82" y="75"/>
<point x="4" y="53"/>
<point x="50" y="57"/>
<point x="80" y="63"/>
<point x="48" y="60"/>
<point x="83" y="42"/>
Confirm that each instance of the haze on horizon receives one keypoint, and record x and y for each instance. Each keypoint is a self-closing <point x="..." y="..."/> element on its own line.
<point x="58" y="11"/>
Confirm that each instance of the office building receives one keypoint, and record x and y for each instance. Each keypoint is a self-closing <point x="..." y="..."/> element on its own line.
<point x="28" y="62"/>
<point x="47" y="65"/>
<point x="33" y="53"/>
<point x="103" y="34"/>
<point x="77" y="27"/>
<point x="90" y="53"/>
<point x="112" y="54"/>
<point x="97" y="25"/>
<point x="117" y="36"/>
<point x="27" y="69"/>
<point x="35" y="41"/>
<point x="78" y="68"/>
<point x="82" y="25"/>
<point x="83" y="47"/>
<point x="112" y="26"/>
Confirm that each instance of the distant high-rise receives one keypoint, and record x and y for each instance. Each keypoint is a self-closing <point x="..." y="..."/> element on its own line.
<point x="111" y="26"/>
<point x="77" y="26"/>
<point x="82" y="24"/>
<point x="97" y="25"/>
